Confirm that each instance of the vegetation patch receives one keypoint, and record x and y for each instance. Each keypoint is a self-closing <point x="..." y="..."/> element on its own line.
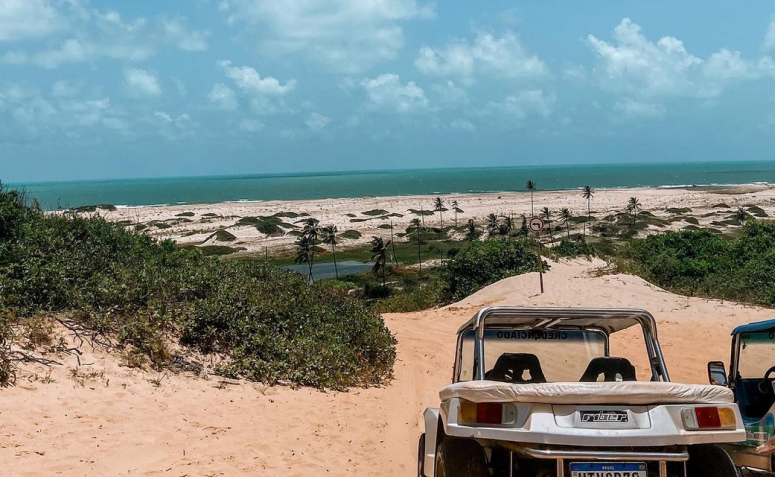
<point x="350" y="234"/>
<point x="375" y="212"/>
<point x="573" y="248"/>
<point x="720" y="205"/>
<point x="185" y="214"/>
<point x="224" y="236"/>
<point x="272" y="226"/>
<point x="291" y="215"/>
<point x="678" y="210"/>
<point x="95" y="208"/>
<point x="691" y="220"/>
<point x="422" y="212"/>
<point x="756" y="211"/>
<point x="269" y="323"/>
<point x="479" y="264"/>
<point x="703" y="262"/>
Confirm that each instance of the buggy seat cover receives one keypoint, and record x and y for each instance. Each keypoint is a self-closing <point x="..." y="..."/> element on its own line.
<point x="629" y="392"/>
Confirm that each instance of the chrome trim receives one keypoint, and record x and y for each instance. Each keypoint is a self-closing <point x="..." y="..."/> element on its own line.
<point x="606" y="455"/>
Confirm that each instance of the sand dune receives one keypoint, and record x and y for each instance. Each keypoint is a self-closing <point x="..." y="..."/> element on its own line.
<point x="120" y="424"/>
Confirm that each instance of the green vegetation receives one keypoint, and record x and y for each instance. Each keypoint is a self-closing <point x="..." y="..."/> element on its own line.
<point x="704" y="262"/>
<point x="185" y="214"/>
<point x="291" y="215"/>
<point x="224" y="236"/>
<point x="272" y="226"/>
<point x="94" y="208"/>
<point x="482" y="263"/>
<point x="375" y="212"/>
<point x="269" y="324"/>
<point x="572" y="248"/>
<point x="350" y="234"/>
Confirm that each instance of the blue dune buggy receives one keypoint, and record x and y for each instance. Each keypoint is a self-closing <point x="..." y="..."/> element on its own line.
<point x="751" y="378"/>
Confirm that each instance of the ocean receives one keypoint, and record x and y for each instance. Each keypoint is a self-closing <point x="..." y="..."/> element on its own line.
<point x="214" y="189"/>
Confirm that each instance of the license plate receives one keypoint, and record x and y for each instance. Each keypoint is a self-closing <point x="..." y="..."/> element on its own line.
<point x="604" y="469"/>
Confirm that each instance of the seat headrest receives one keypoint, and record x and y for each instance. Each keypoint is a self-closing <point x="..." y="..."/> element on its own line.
<point x="612" y="369"/>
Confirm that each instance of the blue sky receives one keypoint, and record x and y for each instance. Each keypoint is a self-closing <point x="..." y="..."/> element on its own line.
<point x="98" y="89"/>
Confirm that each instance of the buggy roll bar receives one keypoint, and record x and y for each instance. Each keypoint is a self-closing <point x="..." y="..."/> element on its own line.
<point x="553" y="316"/>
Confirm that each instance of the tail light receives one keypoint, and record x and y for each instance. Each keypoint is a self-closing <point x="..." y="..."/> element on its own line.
<point x="709" y="418"/>
<point x="494" y="413"/>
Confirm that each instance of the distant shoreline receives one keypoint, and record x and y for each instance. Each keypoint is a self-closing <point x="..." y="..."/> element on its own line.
<point x="359" y="219"/>
<point x="395" y="183"/>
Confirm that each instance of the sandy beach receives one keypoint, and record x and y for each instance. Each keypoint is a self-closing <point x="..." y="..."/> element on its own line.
<point x="101" y="419"/>
<point x="196" y="224"/>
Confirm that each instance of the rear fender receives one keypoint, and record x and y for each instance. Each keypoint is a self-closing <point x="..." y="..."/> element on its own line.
<point x="432" y="434"/>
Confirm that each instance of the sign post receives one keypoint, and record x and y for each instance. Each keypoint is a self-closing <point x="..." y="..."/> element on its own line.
<point x="536" y="224"/>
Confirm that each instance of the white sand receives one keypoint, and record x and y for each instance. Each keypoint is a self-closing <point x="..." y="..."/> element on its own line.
<point x="190" y="427"/>
<point x="476" y="206"/>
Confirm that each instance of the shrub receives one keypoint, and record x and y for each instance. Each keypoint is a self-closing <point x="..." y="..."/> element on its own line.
<point x="481" y="263"/>
<point x="573" y="248"/>
<point x="269" y="322"/>
<point x="706" y="263"/>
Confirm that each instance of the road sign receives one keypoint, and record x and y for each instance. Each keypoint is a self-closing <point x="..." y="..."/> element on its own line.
<point x="536" y="224"/>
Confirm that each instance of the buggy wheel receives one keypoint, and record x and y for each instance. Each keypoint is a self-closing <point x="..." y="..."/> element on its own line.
<point x="460" y="458"/>
<point x="708" y="460"/>
<point x="421" y="456"/>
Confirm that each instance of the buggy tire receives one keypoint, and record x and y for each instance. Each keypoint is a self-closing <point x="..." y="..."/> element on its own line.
<point x="709" y="460"/>
<point x="421" y="456"/>
<point x="460" y="458"/>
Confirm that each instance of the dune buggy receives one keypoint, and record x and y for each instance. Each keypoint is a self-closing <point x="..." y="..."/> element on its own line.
<point x="536" y="392"/>
<point x="752" y="380"/>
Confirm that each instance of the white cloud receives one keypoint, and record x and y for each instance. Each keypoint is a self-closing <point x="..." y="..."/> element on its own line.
<point x="576" y="72"/>
<point x="178" y="33"/>
<point x="30" y="113"/>
<point x="23" y="19"/>
<point x="248" y="79"/>
<point x="91" y="35"/>
<point x="386" y="92"/>
<point x="450" y="95"/>
<point x="769" y="36"/>
<point x="173" y="128"/>
<point x="251" y="125"/>
<point x="317" y="122"/>
<point x="63" y="89"/>
<point x="637" y="67"/>
<point x="524" y="104"/>
<point x="223" y="97"/>
<point x="141" y="82"/>
<point x="504" y="57"/>
<point x="343" y="35"/>
<point x="462" y="125"/>
<point x="636" y="109"/>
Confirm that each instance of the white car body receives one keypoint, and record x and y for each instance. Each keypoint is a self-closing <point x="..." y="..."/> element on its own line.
<point x="651" y="422"/>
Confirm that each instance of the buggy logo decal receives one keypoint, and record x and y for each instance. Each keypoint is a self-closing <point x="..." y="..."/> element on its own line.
<point x="604" y="416"/>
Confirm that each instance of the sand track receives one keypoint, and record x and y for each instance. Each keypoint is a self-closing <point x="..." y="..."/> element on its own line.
<point x="120" y="424"/>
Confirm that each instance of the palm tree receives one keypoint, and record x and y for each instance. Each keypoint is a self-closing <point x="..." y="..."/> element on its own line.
<point x="304" y="254"/>
<point x="438" y="206"/>
<point x="380" y="256"/>
<point x="416" y="224"/>
<point x="548" y="216"/>
<point x="456" y="209"/>
<point x="741" y="215"/>
<point x="493" y="225"/>
<point x="566" y="215"/>
<point x="507" y="226"/>
<point x="633" y="207"/>
<point x="393" y="243"/>
<point x="588" y="193"/>
<point x="531" y="186"/>
<point x="329" y="238"/>
<point x="311" y="230"/>
<point x="523" y="228"/>
<point x="471" y="233"/>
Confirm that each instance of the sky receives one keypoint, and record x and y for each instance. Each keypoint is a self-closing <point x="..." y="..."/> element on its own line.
<point x="104" y="89"/>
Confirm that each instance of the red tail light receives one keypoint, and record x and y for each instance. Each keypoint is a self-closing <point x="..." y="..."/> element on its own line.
<point x="707" y="417"/>
<point x="489" y="413"/>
